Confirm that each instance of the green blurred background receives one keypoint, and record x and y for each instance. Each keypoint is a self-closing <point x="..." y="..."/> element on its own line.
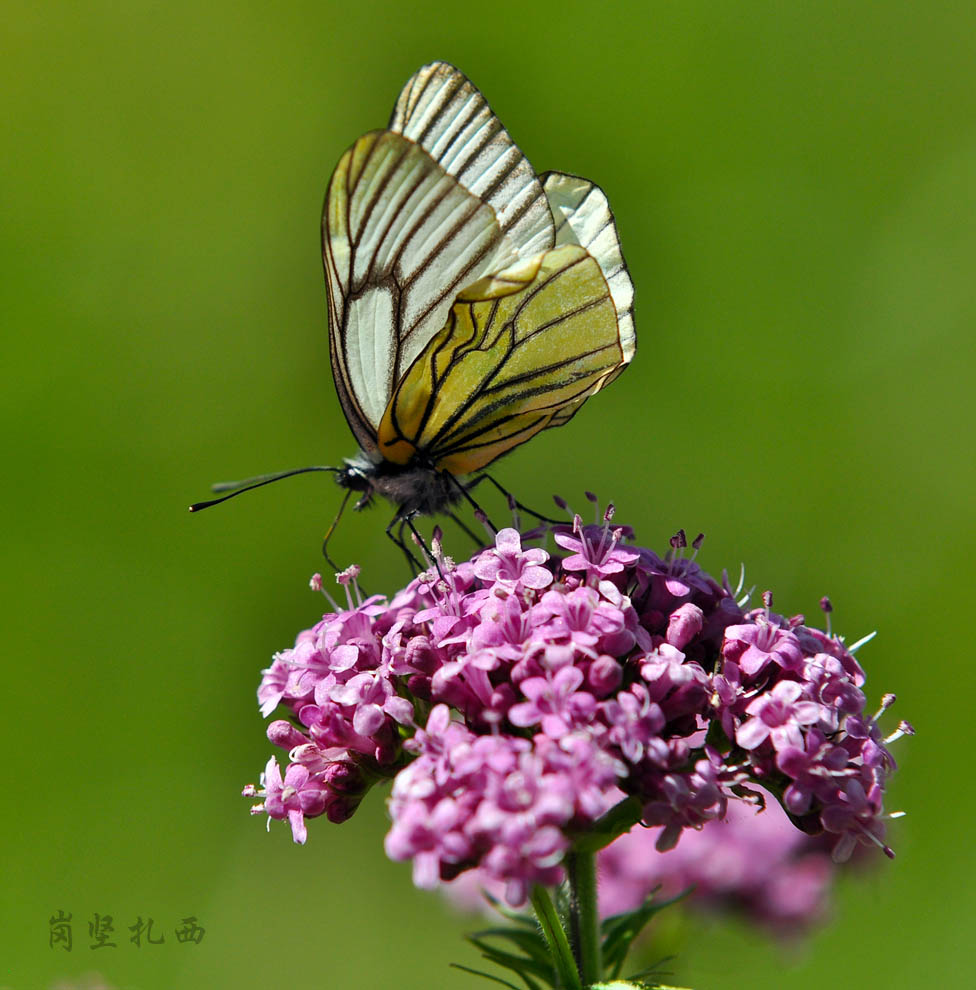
<point x="795" y="186"/>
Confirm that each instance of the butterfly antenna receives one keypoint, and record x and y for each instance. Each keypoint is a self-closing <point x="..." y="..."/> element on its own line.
<point x="249" y="484"/>
<point x="331" y="530"/>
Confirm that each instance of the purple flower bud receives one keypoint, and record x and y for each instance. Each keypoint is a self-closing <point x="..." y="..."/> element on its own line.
<point x="604" y="676"/>
<point x="684" y="623"/>
<point x="284" y="734"/>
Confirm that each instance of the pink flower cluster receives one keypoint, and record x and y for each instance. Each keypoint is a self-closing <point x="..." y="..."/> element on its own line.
<point x="752" y="863"/>
<point x="517" y="697"/>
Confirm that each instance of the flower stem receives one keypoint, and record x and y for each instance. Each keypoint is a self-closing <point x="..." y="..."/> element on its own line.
<point x="584" y="915"/>
<point x="552" y="928"/>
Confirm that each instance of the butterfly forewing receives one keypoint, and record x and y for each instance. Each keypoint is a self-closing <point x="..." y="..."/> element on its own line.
<point x="400" y="239"/>
<point x="443" y="111"/>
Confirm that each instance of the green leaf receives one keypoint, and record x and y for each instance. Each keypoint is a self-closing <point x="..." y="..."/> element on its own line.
<point x="518" y="963"/>
<point x="638" y="977"/>
<point x="506" y="912"/>
<point x="716" y="737"/>
<point x="621" y="818"/>
<point x="518" y="966"/>
<point x="532" y="943"/>
<point x="620" y="930"/>
<point x="487" y="976"/>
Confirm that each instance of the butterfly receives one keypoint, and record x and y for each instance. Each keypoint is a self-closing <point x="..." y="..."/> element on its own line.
<point x="472" y="303"/>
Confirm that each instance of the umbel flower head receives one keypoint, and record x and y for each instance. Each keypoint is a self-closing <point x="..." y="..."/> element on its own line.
<point x="526" y="700"/>
<point x="753" y="863"/>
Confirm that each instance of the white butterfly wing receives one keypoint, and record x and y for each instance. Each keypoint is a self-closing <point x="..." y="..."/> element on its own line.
<point x="412" y="216"/>
<point x="400" y="238"/>
<point x="443" y="111"/>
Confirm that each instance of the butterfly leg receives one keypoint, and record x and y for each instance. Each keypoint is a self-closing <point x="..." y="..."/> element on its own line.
<point x="331" y="530"/>
<point x="479" y="513"/>
<point x="422" y="543"/>
<point x="513" y="503"/>
<point x="463" y="526"/>
<point x="400" y="522"/>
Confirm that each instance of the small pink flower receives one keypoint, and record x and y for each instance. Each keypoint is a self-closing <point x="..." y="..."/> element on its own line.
<point x="594" y="549"/>
<point x="758" y="643"/>
<point x="780" y="715"/>
<point x="554" y="703"/>
<point x="511" y="566"/>
<point x="298" y="795"/>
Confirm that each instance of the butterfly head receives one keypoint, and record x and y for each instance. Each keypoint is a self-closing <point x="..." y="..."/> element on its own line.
<point x="356" y="475"/>
<point x="416" y="488"/>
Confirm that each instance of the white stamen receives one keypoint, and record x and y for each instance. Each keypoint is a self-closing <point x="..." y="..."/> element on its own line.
<point x="862" y="641"/>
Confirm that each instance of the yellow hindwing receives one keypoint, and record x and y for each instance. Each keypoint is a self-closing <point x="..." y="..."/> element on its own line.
<point x="521" y="351"/>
